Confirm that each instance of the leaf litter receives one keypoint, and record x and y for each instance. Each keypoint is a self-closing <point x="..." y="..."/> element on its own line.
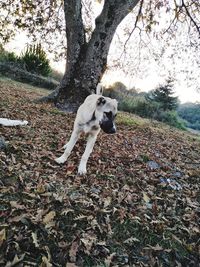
<point x="137" y="206"/>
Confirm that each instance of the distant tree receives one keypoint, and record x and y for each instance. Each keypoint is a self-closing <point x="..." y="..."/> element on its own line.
<point x="116" y="90"/>
<point x="164" y="96"/>
<point x="119" y="86"/>
<point x="190" y="112"/>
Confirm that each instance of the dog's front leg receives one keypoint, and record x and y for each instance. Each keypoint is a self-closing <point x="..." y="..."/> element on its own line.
<point x="89" y="147"/>
<point x="68" y="147"/>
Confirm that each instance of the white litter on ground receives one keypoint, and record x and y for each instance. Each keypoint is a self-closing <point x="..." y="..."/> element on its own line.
<point x="8" y="122"/>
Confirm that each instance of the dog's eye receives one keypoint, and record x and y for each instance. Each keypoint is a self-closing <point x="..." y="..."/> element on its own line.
<point x="109" y="114"/>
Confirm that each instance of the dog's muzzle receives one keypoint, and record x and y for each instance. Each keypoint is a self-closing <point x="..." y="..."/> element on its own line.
<point x="108" y="126"/>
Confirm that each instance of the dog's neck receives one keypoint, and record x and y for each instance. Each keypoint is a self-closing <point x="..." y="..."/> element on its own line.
<point x="93" y="118"/>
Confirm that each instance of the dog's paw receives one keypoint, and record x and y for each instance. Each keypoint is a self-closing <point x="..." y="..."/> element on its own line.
<point x="60" y="160"/>
<point x="82" y="170"/>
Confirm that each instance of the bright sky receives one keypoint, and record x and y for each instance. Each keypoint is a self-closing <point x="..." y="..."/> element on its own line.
<point x="151" y="82"/>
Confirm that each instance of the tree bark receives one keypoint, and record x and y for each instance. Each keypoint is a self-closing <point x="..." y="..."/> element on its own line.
<point x="86" y="62"/>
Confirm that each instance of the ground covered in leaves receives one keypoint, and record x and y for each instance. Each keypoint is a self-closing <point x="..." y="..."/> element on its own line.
<point x="137" y="206"/>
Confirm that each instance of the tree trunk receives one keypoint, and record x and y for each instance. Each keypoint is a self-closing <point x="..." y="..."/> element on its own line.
<point x="86" y="62"/>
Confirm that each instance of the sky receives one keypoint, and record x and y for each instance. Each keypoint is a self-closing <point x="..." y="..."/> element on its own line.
<point x="138" y="68"/>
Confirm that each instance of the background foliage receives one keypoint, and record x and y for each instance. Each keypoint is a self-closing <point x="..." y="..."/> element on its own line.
<point x="190" y="112"/>
<point x="158" y="104"/>
<point x="35" y="60"/>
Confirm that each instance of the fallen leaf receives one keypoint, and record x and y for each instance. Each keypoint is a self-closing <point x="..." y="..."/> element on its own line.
<point x="2" y="236"/>
<point x="41" y="188"/>
<point x="15" y="205"/>
<point x="146" y="198"/>
<point x="66" y="211"/>
<point x="49" y="217"/>
<point x="69" y="264"/>
<point x="108" y="260"/>
<point x="18" y="218"/>
<point x="35" y="239"/>
<point x="73" y="250"/>
<point x="15" y="261"/>
<point x="88" y="240"/>
<point x="156" y="248"/>
<point x="131" y="240"/>
<point x="45" y="262"/>
<point x="107" y="202"/>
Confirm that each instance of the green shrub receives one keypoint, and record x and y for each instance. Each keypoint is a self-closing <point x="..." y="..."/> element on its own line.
<point x="171" y="118"/>
<point x="143" y="106"/>
<point x="140" y="106"/>
<point x="7" y="56"/>
<point x="35" y="60"/>
<point x="190" y="112"/>
<point x="11" y="57"/>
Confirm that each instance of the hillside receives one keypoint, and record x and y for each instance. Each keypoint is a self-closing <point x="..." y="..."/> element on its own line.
<point x="137" y="206"/>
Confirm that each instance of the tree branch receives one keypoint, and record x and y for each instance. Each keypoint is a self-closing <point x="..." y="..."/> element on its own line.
<point x="135" y="26"/>
<point x="190" y="16"/>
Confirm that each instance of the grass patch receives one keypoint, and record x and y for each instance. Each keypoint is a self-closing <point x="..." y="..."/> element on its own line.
<point x="57" y="112"/>
<point x="19" y="85"/>
<point x="128" y="119"/>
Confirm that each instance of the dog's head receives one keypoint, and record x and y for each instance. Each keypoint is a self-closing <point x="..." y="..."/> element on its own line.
<point x="108" y="108"/>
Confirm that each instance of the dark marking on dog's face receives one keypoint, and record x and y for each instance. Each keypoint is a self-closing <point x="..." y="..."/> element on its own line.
<point x="101" y="101"/>
<point x="107" y="123"/>
<point x="108" y="107"/>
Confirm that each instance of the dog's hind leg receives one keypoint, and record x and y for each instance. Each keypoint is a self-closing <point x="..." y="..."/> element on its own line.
<point x="68" y="147"/>
<point x="89" y="147"/>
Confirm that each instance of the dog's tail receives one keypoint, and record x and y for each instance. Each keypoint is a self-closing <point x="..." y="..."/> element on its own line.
<point x="99" y="89"/>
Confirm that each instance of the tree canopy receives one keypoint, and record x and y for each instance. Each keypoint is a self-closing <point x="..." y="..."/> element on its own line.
<point x="165" y="96"/>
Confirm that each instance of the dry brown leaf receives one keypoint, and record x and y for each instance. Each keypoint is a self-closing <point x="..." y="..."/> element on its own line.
<point x="80" y="217"/>
<point x="18" y="218"/>
<point x="73" y="250"/>
<point x="107" y="202"/>
<point x="15" y="205"/>
<point x="49" y="217"/>
<point x="156" y="248"/>
<point x="88" y="240"/>
<point x="41" y="188"/>
<point x="108" y="260"/>
<point x="15" y="261"/>
<point x="2" y="236"/>
<point x="69" y="264"/>
<point x="45" y="262"/>
<point x="35" y="239"/>
<point x="66" y="211"/>
<point x="131" y="240"/>
<point x="146" y="198"/>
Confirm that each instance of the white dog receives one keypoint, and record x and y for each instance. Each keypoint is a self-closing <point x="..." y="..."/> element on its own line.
<point x="96" y="112"/>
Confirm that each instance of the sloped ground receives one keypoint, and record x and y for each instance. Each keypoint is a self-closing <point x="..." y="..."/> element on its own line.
<point x="137" y="206"/>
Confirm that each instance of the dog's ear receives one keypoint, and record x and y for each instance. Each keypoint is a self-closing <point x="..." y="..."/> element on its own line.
<point x="101" y="101"/>
<point x="99" y="89"/>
